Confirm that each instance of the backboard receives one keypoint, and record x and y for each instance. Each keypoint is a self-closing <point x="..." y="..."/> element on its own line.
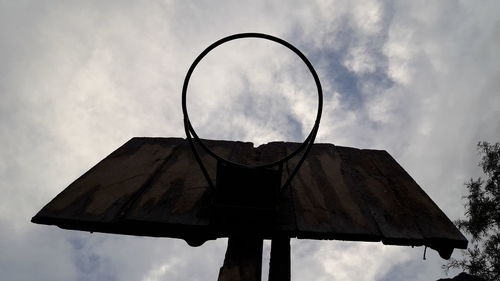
<point x="154" y="187"/>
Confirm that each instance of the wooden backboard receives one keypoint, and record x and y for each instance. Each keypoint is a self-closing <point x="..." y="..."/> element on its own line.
<point x="154" y="187"/>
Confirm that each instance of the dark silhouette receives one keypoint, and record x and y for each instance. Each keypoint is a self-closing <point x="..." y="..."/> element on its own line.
<point x="463" y="277"/>
<point x="482" y="222"/>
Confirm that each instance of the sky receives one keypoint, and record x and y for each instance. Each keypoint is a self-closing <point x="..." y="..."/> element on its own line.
<point x="78" y="79"/>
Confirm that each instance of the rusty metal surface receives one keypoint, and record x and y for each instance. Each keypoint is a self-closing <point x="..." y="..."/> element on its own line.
<point x="154" y="187"/>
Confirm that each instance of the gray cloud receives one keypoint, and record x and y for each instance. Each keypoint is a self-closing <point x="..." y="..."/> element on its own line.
<point x="79" y="79"/>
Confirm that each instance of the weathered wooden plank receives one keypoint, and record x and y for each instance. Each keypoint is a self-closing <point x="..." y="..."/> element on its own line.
<point x="325" y="205"/>
<point x="100" y="194"/>
<point x="285" y="222"/>
<point x="243" y="153"/>
<point x="437" y="229"/>
<point x="154" y="186"/>
<point x="243" y="260"/>
<point x="394" y="222"/>
<point x="180" y="194"/>
<point x="233" y="198"/>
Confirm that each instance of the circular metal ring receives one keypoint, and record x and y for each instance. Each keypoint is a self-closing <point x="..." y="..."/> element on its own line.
<point x="190" y="130"/>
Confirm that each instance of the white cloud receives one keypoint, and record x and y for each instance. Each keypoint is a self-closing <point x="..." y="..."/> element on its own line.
<point x="344" y="263"/>
<point x="368" y="16"/>
<point x="159" y="272"/>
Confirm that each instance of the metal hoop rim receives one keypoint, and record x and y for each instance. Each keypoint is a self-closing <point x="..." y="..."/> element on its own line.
<point x="187" y="123"/>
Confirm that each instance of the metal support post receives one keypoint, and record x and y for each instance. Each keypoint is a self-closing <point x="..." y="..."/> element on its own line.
<point x="279" y="265"/>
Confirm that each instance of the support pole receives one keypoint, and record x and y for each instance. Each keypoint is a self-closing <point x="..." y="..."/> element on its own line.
<point x="243" y="261"/>
<point x="279" y="265"/>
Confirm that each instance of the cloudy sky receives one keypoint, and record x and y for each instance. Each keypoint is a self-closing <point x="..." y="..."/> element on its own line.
<point x="419" y="79"/>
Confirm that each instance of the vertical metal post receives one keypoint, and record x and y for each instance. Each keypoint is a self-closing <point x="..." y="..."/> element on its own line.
<point x="279" y="265"/>
<point x="243" y="261"/>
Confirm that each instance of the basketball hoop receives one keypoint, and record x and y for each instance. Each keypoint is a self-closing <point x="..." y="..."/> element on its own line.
<point x="193" y="138"/>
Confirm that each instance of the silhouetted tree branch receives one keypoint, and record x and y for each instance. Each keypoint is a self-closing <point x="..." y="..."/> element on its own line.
<point x="482" y="218"/>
